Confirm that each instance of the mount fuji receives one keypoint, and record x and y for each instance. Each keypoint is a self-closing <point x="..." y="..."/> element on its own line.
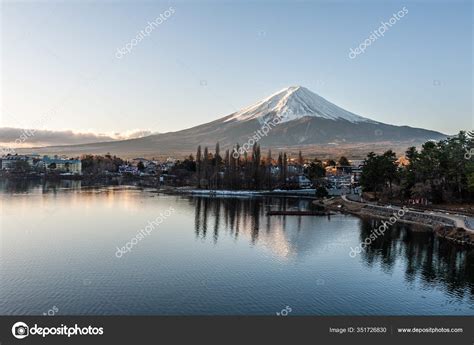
<point x="307" y="120"/>
<point x="293" y="103"/>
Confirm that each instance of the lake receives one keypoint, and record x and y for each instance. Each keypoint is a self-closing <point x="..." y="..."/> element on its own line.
<point x="61" y="254"/>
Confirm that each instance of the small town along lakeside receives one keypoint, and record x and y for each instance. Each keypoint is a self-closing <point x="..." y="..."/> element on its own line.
<point x="436" y="181"/>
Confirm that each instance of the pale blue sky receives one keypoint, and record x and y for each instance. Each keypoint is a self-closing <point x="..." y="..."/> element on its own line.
<point x="61" y="56"/>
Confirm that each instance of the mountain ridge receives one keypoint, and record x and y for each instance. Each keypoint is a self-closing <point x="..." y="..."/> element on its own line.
<point x="294" y="102"/>
<point x="307" y="119"/>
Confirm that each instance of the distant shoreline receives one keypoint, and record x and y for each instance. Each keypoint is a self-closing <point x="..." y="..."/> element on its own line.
<point x="226" y="192"/>
<point x="149" y="182"/>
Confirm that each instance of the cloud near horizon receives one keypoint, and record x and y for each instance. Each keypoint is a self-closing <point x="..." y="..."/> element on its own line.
<point x="23" y="138"/>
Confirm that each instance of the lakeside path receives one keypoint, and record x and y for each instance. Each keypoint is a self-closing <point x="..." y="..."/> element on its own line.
<point x="428" y="217"/>
<point x="459" y="221"/>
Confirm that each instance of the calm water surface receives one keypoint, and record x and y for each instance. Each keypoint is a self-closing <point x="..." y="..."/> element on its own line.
<point x="213" y="256"/>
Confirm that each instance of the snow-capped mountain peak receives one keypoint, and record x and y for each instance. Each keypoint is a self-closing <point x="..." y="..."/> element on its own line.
<point x="293" y="103"/>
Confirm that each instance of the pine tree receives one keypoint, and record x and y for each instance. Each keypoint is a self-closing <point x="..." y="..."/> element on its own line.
<point x="198" y="166"/>
<point x="205" y="166"/>
<point x="256" y="166"/>
<point x="343" y="161"/>
<point x="234" y="166"/>
<point x="268" y="170"/>
<point x="217" y="166"/>
<point x="217" y="156"/>
<point x="280" y="169"/>
<point x="227" y="158"/>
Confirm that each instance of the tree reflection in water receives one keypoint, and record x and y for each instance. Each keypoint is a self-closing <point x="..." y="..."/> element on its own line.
<point x="434" y="261"/>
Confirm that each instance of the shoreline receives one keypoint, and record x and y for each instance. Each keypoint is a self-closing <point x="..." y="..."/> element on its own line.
<point x="448" y="226"/>
<point x="445" y="225"/>
<point x="307" y="193"/>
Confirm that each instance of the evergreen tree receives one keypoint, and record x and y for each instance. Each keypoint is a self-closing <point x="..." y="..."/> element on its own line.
<point x="281" y="177"/>
<point x="300" y="159"/>
<point x="343" y="161"/>
<point x="268" y="170"/>
<point x="205" y="167"/>
<point x="199" y="166"/>
<point x="256" y="173"/>
<point x="315" y="170"/>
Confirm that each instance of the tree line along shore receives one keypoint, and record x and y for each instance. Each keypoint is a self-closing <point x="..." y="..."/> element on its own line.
<point x="438" y="173"/>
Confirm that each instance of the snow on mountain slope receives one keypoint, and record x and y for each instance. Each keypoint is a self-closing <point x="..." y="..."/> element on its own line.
<point x="310" y="121"/>
<point x="293" y="103"/>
